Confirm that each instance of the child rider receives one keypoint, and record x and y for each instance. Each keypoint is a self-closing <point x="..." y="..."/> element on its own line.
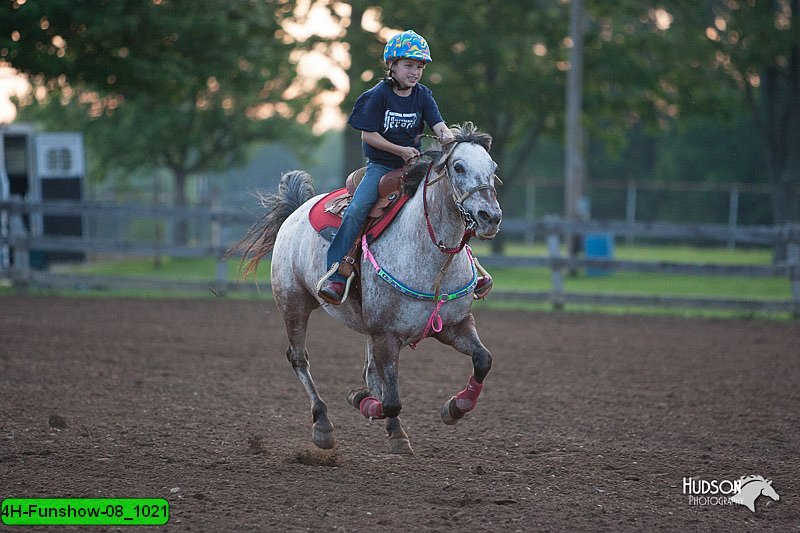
<point x="391" y="116"/>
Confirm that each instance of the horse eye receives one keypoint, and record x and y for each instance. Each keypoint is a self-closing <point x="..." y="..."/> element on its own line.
<point x="458" y="167"/>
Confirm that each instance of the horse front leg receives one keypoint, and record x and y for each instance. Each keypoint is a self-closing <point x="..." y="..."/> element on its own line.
<point x="381" y="397"/>
<point x="464" y="338"/>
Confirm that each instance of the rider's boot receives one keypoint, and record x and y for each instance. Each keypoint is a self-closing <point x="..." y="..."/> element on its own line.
<point x="485" y="282"/>
<point x="332" y="291"/>
<point x="483" y="287"/>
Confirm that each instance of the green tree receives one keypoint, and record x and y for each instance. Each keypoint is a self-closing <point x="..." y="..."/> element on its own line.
<point x="754" y="49"/>
<point x="184" y="85"/>
<point x="714" y="58"/>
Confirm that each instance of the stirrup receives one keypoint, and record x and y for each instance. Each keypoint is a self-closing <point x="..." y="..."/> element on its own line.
<point x="347" y="286"/>
<point x="488" y="281"/>
<point x="330" y="273"/>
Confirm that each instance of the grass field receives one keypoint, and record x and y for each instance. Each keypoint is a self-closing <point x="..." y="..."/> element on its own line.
<point x="524" y="279"/>
<point x="654" y="284"/>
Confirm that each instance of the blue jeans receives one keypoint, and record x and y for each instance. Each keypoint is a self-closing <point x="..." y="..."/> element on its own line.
<point x="356" y="214"/>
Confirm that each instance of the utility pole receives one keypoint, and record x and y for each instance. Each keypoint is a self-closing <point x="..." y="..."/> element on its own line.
<point x="574" y="164"/>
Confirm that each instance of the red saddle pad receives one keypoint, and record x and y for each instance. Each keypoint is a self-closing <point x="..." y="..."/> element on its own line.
<point x="327" y="223"/>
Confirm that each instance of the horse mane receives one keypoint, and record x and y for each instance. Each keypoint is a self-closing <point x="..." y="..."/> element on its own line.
<point x="416" y="174"/>
<point x="294" y="188"/>
<point x="467" y="132"/>
<point x="463" y="133"/>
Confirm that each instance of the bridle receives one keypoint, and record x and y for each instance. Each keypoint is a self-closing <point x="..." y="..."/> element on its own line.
<point x="470" y="224"/>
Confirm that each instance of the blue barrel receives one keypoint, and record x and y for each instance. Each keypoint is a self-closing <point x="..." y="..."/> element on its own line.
<point x="598" y="246"/>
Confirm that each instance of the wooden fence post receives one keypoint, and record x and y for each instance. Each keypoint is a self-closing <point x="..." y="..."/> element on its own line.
<point x="5" y="234"/>
<point x="556" y="276"/>
<point x="21" y="255"/>
<point x="221" y="272"/>
<point x="530" y="211"/>
<point x="733" y="217"/>
<point x="630" y="209"/>
<point x="793" y="261"/>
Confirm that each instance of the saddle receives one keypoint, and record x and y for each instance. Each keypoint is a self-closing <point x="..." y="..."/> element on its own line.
<point x="389" y="190"/>
<point x="394" y="190"/>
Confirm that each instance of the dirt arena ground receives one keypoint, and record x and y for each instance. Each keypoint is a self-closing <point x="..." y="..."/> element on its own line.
<point x="587" y="422"/>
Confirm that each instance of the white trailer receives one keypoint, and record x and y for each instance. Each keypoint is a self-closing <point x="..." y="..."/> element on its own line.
<point x="40" y="166"/>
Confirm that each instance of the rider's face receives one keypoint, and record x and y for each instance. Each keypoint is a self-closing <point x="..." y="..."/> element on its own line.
<point x="408" y="71"/>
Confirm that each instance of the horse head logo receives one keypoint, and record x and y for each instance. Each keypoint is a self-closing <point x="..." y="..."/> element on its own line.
<point x="751" y="488"/>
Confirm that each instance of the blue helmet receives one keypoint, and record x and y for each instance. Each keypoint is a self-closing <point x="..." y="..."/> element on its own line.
<point x="407" y="45"/>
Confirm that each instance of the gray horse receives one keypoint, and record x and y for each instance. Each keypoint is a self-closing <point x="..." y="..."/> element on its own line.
<point x="412" y="279"/>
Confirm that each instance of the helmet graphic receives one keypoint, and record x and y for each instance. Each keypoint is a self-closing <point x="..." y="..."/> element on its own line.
<point x="407" y="45"/>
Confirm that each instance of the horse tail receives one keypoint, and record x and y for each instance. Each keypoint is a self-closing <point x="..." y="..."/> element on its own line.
<point x="294" y="189"/>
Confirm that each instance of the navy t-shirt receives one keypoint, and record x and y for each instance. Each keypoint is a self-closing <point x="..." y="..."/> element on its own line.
<point x="399" y="119"/>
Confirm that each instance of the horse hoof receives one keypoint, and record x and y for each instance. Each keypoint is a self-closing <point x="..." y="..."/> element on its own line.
<point x="323" y="438"/>
<point x="450" y="413"/>
<point x="400" y="446"/>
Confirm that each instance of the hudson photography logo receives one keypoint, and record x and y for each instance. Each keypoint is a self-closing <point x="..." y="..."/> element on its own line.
<point x="743" y="491"/>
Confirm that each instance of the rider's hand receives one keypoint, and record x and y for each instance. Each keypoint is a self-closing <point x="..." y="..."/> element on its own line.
<point x="443" y="133"/>
<point x="445" y="136"/>
<point x="408" y="153"/>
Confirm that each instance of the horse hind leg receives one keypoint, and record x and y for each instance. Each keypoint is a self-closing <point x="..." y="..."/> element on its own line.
<point x="296" y="321"/>
<point x="398" y="438"/>
<point x="382" y="384"/>
<point x="363" y="401"/>
<point x="371" y="390"/>
<point x="321" y="428"/>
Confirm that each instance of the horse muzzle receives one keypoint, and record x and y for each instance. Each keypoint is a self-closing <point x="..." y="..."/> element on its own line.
<point x="488" y="223"/>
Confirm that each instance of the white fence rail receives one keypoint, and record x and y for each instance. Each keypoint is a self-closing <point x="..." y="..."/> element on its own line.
<point x="15" y="238"/>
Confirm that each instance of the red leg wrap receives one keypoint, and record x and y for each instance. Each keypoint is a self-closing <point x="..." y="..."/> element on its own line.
<point x="371" y="408"/>
<point x="468" y="398"/>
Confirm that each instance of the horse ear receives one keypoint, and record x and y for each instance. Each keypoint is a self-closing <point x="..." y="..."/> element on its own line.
<point x="483" y="139"/>
<point x="486" y="141"/>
